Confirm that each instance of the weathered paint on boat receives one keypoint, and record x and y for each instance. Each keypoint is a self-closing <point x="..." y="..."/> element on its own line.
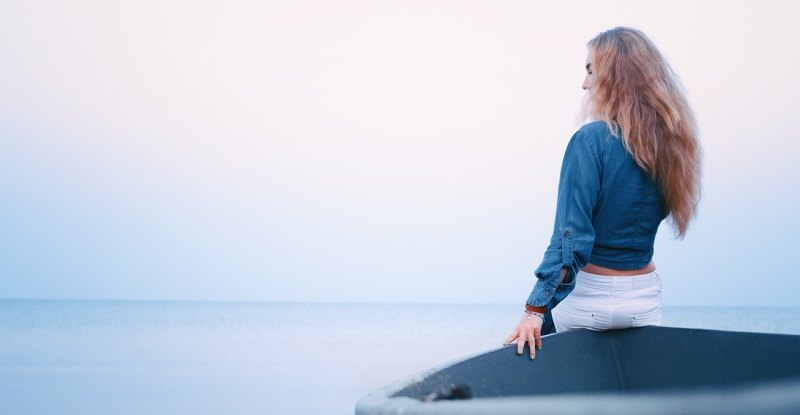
<point x="654" y="370"/>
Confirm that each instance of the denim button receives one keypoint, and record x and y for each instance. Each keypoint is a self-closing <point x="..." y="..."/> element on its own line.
<point x="549" y="293"/>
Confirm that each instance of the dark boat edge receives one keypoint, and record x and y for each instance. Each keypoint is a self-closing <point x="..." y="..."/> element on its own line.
<point x="763" y="397"/>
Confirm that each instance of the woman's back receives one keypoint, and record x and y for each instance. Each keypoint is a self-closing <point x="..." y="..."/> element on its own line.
<point x="629" y="205"/>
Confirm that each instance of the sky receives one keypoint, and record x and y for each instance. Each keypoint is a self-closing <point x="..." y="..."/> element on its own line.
<point x="366" y="151"/>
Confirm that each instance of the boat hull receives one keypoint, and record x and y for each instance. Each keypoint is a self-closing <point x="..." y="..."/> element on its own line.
<point x="643" y="370"/>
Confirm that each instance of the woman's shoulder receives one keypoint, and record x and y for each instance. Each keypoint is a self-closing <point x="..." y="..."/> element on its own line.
<point x="596" y="129"/>
<point x="598" y="135"/>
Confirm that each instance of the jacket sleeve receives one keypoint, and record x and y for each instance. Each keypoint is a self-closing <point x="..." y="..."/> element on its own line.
<point x="573" y="233"/>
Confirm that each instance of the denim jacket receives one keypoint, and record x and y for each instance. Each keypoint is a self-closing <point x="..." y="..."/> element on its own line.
<point x="608" y="213"/>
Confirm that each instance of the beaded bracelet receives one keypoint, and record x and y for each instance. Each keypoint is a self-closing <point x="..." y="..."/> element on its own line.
<point x="534" y="313"/>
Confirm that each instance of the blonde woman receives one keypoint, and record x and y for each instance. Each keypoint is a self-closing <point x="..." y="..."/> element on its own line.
<point x="636" y="164"/>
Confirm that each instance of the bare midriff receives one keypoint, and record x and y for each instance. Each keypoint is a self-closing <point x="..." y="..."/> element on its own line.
<point x="598" y="270"/>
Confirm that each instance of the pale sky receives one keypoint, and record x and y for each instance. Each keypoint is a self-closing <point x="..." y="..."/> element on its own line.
<point x="368" y="151"/>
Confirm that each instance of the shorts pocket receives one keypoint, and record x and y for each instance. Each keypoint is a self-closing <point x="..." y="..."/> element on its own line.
<point x="566" y="317"/>
<point x="648" y="318"/>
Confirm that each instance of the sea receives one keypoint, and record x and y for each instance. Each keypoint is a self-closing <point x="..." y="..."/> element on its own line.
<point x="141" y="357"/>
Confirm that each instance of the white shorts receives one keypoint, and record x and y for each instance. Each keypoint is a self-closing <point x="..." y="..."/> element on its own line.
<point x="601" y="302"/>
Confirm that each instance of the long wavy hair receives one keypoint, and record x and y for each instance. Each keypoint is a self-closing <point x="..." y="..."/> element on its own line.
<point x="635" y="92"/>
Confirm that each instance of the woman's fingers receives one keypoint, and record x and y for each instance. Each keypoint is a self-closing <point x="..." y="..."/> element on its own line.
<point x="532" y="346"/>
<point x="521" y="344"/>
<point x="527" y="332"/>
<point x="510" y="339"/>
<point x="538" y="335"/>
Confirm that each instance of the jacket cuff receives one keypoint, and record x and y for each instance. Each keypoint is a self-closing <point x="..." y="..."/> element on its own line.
<point x="549" y="292"/>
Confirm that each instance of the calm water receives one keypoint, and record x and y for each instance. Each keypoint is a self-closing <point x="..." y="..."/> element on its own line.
<point x="95" y="357"/>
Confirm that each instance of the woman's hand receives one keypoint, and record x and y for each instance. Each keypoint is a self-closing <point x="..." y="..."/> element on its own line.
<point x="528" y="330"/>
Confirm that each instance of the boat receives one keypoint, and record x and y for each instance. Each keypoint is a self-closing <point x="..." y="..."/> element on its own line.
<point x="647" y="370"/>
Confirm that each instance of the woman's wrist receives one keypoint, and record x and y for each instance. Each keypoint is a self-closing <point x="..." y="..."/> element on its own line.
<point x="528" y="315"/>
<point x="534" y="311"/>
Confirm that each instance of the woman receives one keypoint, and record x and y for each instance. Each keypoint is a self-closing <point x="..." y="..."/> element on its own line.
<point x="636" y="164"/>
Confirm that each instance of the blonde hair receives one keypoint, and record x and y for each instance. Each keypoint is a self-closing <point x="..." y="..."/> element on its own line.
<point x="636" y="92"/>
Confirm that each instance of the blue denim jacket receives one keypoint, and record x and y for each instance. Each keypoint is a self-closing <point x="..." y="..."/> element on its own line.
<point x="608" y="213"/>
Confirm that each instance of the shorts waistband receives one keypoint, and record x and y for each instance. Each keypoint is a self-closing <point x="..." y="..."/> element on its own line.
<point x="604" y="282"/>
